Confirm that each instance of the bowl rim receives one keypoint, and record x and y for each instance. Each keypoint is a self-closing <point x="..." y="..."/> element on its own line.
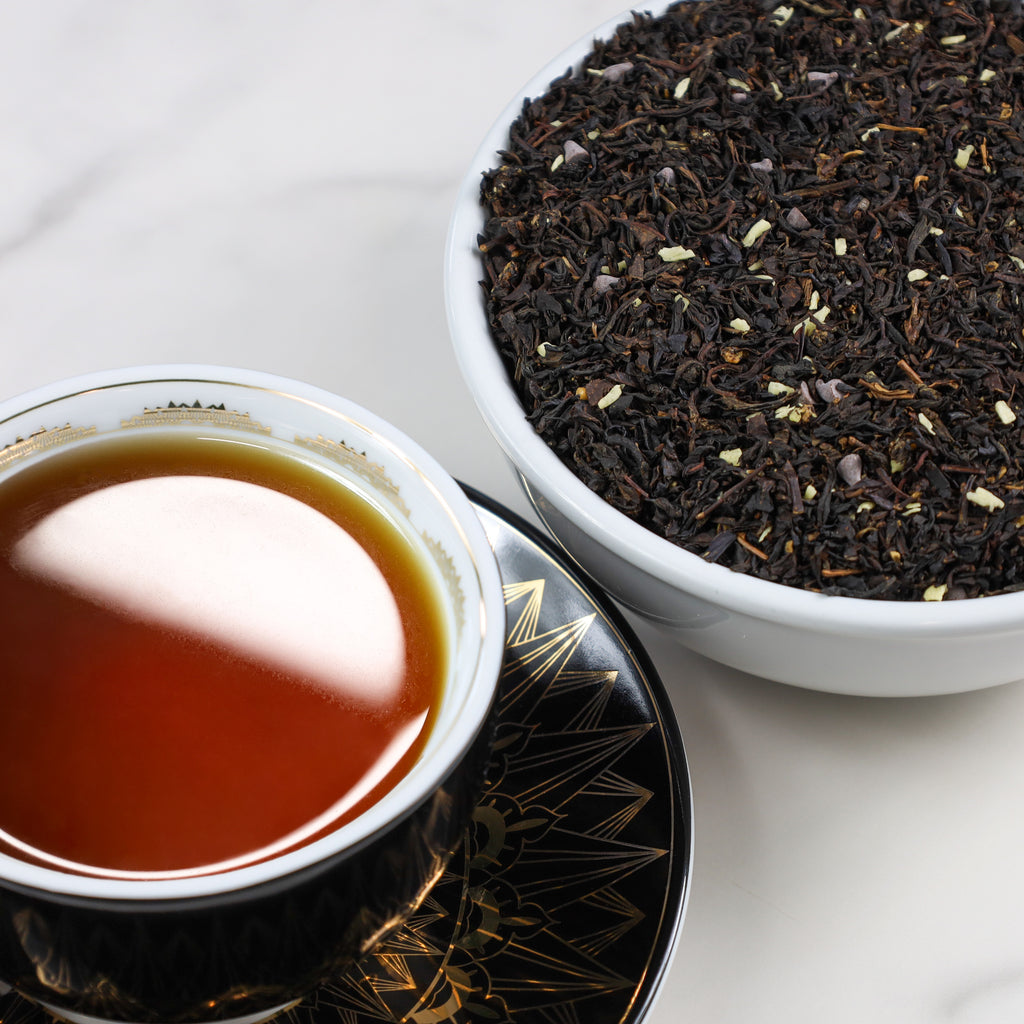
<point x="486" y="375"/>
<point x="486" y="607"/>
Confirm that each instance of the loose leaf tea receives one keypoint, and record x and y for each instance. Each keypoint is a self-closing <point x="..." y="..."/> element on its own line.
<point x="758" y="275"/>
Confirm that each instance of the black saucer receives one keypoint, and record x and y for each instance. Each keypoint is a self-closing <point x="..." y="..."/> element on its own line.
<point x="565" y="902"/>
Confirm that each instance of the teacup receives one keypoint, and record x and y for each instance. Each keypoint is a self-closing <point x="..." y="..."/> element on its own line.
<point x="124" y="934"/>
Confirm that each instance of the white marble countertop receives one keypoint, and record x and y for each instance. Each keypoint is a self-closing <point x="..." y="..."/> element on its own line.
<point x="250" y="182"/>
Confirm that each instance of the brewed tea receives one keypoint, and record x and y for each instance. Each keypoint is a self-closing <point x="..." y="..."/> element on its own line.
<point x="214" y="651"/>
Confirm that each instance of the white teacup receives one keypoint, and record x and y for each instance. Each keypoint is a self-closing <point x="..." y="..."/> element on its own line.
<point x="243" y="937"/>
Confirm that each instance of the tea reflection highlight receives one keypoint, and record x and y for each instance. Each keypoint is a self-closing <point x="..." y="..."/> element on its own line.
<point x="235" y="563"/>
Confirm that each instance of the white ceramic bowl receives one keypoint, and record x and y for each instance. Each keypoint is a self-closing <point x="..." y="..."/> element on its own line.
<point x="839" y="644"/>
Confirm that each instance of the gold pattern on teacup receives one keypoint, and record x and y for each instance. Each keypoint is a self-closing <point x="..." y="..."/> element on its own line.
<point x="358" y="463"/>
<point x="41" y="440"/>
<point x="450" y="576"/>
<point x="196" y="415"/>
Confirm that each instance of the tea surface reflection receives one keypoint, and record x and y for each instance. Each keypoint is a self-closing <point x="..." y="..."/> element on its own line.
<point x="219" y="652"/>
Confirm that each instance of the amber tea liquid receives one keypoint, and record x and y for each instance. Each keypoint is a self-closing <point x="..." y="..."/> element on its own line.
<point x="213" y="652"/>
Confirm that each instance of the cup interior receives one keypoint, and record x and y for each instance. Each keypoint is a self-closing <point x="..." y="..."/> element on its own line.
<point x="399" y="479"/>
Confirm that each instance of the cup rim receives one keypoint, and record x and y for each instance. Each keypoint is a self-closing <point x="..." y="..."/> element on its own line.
<point x="489" y="382"/>
<point x="485" y="604"/>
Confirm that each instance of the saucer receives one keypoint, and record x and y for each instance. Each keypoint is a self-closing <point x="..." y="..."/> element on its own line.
<point x="565" y="901"/>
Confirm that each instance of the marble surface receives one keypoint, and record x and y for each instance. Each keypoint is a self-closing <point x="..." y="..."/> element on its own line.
<point x="267" y="184"/>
